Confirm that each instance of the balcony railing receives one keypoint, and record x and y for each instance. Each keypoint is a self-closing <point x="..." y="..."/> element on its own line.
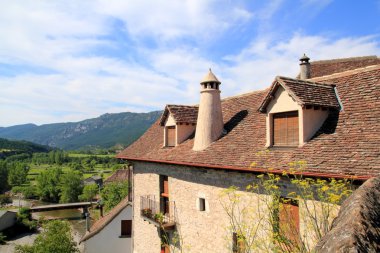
<point x="152" y="211"/>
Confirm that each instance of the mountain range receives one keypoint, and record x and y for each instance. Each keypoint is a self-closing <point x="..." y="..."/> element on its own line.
<point x="105" y="131"/>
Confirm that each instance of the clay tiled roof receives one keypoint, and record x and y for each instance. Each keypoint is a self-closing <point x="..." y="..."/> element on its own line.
<point x="346" y="144"/>
<point x="105" y="220"/>
<point x="328" y="67"/>
<point x="304" y="92"/>
<point x="182" y="114"/>
<point x="118" y="176"/>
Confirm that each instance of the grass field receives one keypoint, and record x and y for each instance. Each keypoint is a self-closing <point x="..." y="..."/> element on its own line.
<point x="99" y="169"/>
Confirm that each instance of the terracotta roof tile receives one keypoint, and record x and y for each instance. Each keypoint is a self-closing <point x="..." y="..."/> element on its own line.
<point x="105" y="220"/>
<point x="328" y="67"/>
<point x="347" y="143"/>
<point x="118" y="176"/>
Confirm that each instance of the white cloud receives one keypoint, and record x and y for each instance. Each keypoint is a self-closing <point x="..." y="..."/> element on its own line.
<point x="66" y="78"/>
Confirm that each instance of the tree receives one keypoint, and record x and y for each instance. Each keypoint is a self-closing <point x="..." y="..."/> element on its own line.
<point x="48" y="184"/>
<point x="56" y="237"/>
<point x="113" y="193"/>
<point x="71" y="186"/>
<point x="257" y="213"/>
<point x="89" y="192"/>
<point x="17" y="174"/>
<point x="3" y="176"/>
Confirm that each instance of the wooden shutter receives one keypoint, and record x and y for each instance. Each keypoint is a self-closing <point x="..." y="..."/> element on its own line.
<point x="166" y="187"/>
<point x="289" y="220"/>
<point x="285" y="129"/>
<point x="170" y="134"/>
<point x="126" y="228"/>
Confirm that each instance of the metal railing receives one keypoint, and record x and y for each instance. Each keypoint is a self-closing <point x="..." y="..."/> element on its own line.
<point x="154" y="210"/>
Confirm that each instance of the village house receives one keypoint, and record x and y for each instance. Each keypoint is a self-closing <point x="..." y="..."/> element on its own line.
<point x="114" y="230"/>
<point x="328" y="117"/>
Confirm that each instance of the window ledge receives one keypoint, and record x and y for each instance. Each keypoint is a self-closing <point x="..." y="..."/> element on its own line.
<point x="125" y="236"/>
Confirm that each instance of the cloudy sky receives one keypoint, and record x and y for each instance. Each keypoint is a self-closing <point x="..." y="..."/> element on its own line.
<point x="72" y="60"/>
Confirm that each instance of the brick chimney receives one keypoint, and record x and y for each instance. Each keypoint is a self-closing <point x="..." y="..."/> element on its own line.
<point x="305" y="72"/>
<point x="210" y="119"/>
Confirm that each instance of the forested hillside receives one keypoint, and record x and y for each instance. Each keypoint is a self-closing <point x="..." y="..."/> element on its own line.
<point x="8" y="147"/>
<point x="104" y="131"/>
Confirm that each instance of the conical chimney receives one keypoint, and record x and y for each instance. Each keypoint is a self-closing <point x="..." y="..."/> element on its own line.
<point x="305" y="72"/>
<point x="210" y="119"/>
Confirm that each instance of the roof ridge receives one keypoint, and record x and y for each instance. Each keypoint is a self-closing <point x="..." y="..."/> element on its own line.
<point x="182" y="105"/>
<point x="346" y="73"/>
<point x="324" y="85"/>
<point x="345" y="59"/>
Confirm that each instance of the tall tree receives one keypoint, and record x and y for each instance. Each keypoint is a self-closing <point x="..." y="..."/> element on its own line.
<point x="71" y="186"/>
<point x="17" y="174"/>
<point x="3" y="176"/>
<point x="113" y="193"/>
<point x="89" y="192"/>
<point x="48" y="184"/>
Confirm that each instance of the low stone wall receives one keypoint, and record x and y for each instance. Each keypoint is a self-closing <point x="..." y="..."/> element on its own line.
<point x="357" y="227"/>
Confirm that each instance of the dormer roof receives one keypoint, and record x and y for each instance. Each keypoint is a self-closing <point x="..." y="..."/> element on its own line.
<point x="182" y="114"/>
<point x="210" y="78"/>
<point x="305" y="93"/>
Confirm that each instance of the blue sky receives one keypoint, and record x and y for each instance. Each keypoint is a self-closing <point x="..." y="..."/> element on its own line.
<point x="72" y="60"/>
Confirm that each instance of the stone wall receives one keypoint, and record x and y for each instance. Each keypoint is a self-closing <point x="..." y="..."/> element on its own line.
<point x="201" y="231"/>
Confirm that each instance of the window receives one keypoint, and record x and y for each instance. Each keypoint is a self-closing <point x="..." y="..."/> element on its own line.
<point x="126" y="228"/>
<point x="164" y="194"/>
<point x="170" y="136"/>
<point x="287" y="221"/>
<point x="202" y="204"/>
<point x="285" y="129"/>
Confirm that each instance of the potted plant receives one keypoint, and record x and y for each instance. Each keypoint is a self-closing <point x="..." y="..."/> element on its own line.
<point x="159" y="217"/>
<point x="147" y="212"/>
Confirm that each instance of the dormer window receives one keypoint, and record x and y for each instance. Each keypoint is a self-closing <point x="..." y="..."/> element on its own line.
<point x="295" y="110"/>
<point x="178" y="122"/>
<point x="285" y="129"/>
<point x="170" y="136"/>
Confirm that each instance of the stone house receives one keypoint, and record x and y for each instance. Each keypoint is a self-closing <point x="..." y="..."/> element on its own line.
<point x="98" y="180"/>
<point x="329" y="117"/>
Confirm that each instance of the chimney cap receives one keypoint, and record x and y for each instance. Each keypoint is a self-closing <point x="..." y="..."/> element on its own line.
<point x="210" y="78"/>
<point x="304" y="58"/>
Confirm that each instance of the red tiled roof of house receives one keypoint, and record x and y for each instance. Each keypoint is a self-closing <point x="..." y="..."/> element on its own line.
<point x="119" y="176"/>
<point x="328" y="67"/>
<point x="347" y="143"/>
<point x="105" y="220"/>
<point x="182" y="114"/>
<point x="304" y="92"/>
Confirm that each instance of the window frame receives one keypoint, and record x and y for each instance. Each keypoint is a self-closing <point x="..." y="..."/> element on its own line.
<point x="202" y="204"/>
<point x="294" y="133"/>
<point x="172" y="142"/>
